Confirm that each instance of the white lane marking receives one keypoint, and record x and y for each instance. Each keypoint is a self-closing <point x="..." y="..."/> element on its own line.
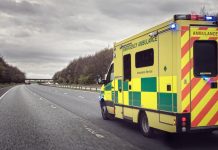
<point x="93" y="132"/>
<point x="52" y="106"/>
<point x="81" y="97"/>
<point x="92" y="92"/>
<point x="41" y="98"/>
<point x="5" y="93"/>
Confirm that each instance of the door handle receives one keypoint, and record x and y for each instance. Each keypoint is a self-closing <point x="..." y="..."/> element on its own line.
<point x="168" y="87"/>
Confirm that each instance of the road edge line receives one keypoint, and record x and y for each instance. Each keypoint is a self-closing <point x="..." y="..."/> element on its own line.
<point x="6" y="93"/>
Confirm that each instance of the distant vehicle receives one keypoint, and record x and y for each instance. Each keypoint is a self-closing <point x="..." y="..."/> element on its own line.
<point x="166" y="77"/>
<point x="27" y="82"/>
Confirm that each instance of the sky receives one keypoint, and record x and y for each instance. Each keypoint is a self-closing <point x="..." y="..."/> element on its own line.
<point x="42" y="37"/>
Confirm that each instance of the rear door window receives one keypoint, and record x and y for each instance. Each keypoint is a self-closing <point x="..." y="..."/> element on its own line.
<point x="205" y="58"/>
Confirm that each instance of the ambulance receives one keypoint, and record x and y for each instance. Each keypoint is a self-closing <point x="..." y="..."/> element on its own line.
<point x="165" y="77"/>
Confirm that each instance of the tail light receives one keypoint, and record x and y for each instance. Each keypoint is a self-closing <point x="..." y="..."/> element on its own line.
<point x="183" y="121"/>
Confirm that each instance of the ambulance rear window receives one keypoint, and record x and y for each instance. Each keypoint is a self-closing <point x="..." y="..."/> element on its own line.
<point x="205" y="58"/>
<point x="144" y="58"/>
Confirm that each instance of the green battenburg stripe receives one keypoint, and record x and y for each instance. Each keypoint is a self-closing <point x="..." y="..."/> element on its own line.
<point x="149" y="84"/>
<point x="130" y="98"/>
<point x="135" y="99"/>
<point x="174" y="102"/>
<point x="119" y="84"/>
<point x="112" y="95"/>
<point x="125" y="86"/>
<point x="167" y="102"/>
<point x="107" y="87"/>
<point x="116" y="96"/>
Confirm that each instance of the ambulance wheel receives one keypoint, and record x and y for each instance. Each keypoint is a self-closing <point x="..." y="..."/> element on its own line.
<point x="144" y="126"/>
<point x="104" y="112"/>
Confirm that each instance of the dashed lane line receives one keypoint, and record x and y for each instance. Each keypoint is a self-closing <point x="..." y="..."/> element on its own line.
<point x="52" y="106"/>
<point x="42" y="98"/>
<point x="93" y="132"/>
<point x="81" y="97"/>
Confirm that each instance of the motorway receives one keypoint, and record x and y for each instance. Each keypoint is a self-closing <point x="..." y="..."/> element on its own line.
<point x="48" y="118"/>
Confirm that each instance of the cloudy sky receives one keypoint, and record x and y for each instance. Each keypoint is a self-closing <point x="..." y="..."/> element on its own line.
<point x="43" y="36"/>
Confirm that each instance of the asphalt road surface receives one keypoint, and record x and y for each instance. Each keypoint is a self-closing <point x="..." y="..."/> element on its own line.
<point x="4" y="90"/>
<point x="41" y="117"/>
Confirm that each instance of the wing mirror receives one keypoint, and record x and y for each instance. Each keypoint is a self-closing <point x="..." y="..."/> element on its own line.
<point x="100" y="80"/>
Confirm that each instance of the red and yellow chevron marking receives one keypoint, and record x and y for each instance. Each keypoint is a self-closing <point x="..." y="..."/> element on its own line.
<point x="205" y="109"/>
<point x="197" y="96"/>
<point x="213" y="120"/>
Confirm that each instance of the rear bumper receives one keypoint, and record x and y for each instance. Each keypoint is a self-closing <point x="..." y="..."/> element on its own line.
<point x="204" y="129"/>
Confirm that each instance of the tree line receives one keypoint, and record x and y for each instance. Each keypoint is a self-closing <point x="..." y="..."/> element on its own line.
<point x="10" y="74"/>
<point x="84" y="70"/>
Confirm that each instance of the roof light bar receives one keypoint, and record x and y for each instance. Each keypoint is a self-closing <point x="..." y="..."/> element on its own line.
<point x="194" y="17"/>
<point x="182" y="17"/>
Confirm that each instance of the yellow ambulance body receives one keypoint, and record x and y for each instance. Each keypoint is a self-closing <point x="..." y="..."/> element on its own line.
<point x="166" y="77"/>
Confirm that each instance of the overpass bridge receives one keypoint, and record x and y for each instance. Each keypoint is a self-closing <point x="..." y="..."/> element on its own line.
<point x="39" y="81"/>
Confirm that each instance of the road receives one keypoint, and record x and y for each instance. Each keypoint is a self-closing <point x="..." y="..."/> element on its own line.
<point x="41" y="117"/>
<point x="4" y="90"/>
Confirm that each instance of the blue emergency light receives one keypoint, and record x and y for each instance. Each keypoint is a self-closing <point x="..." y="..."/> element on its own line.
<point x="173" y="26"/>
<point x="210" y="18"/>
<point x="206" y="78"/>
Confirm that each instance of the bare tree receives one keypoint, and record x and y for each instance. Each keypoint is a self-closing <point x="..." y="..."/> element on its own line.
<point x="9" y="74"/>
<point x="204" y="11"/>
<point x="85" y="69"/>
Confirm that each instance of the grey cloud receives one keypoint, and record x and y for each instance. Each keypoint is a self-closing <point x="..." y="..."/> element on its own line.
<point x="23" y="7"/>
<point x="22" y="34"/>
<point x="78" y="25"/>
<point x="68" y="16"/>
<point x="124" y="9"/>
<point x="26" y="55"/>
<point x="42" y="37"/>
<point x="146" y="9"/>
<point x="41" y="54"/>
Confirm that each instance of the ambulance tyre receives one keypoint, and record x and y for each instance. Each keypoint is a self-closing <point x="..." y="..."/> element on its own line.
<point x="146" y="130"/>
<point x="104" y="112"/>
